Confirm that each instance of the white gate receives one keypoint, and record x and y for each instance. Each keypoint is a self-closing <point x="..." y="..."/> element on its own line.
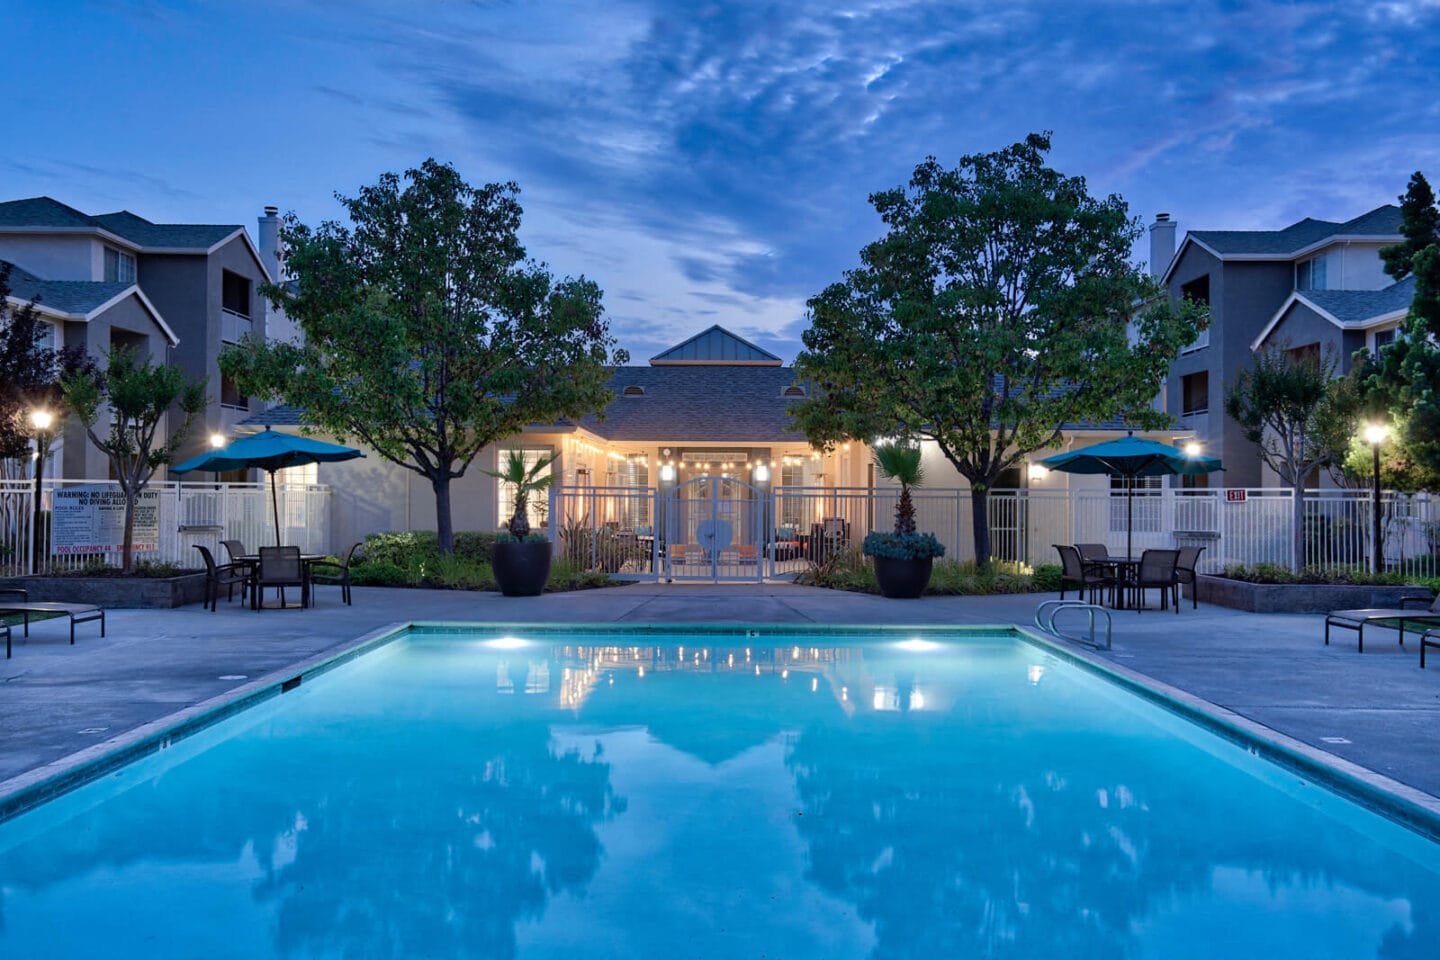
<point x="714" y="529"/>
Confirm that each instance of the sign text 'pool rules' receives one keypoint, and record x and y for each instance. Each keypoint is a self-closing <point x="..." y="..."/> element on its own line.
<point x="92" y="520"/>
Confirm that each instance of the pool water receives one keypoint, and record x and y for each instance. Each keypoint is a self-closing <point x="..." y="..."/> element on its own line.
<point x="722" y="796"/>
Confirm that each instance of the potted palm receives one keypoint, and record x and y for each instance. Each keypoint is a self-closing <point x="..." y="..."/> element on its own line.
<point x="522" y="559"/>
<point x="902" y="559"/>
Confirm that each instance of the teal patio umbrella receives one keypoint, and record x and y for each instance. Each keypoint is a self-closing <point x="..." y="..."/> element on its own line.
<point x="270" y="451"/>
<point x="1130" y="457"/>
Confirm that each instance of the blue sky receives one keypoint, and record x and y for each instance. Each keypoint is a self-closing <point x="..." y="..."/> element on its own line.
<point x="709" y="162"/>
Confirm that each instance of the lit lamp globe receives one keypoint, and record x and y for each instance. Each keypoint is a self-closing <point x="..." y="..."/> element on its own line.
<point x="1192" y="449"/>
<point x="41" y="419"/>
<point x="762" y="473"/>
<point x="1375" y="434"/>
<point x="217" y="440"/>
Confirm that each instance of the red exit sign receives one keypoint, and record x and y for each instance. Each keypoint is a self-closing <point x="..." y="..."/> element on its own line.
<point x="1234" y="496"/>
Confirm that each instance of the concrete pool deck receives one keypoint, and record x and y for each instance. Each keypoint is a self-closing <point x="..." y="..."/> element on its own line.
<point x="1378" y="710"/>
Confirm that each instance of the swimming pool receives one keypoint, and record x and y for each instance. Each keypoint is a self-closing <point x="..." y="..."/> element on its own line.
<point x="543" y="792"/>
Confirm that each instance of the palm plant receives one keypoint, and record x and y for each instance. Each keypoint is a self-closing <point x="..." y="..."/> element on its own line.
<point x="900" y="461"/>
<point x="525" y="480"/>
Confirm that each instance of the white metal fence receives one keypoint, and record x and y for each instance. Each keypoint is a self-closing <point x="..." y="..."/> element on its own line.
<point x="190" y="514"/>
<point x="807" y="524"/>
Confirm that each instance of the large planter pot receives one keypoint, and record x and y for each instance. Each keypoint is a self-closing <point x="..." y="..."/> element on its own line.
<point x="902" y="579"/>
<point x="114" y="592"/>
<point x="522" y="567"/>
<point x="1298" y="597"/>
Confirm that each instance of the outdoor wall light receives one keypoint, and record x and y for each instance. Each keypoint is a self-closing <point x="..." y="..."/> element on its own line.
<point x="1037" y="471"/>
<point x="217" y="440"/>
<point x="1192" y="449"/>
<point x="762" y="473"/>
<point x="667" y="474"/>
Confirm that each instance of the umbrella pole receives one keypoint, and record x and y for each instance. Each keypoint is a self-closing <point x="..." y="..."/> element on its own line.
<point x="275" y="507"/>
<point x="1129" y="516"/>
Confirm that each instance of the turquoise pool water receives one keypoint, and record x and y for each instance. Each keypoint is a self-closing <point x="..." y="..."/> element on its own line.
<point x="783" y="796"/>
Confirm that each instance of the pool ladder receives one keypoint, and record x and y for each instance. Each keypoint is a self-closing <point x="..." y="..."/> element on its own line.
<point x="1046" y="613"/>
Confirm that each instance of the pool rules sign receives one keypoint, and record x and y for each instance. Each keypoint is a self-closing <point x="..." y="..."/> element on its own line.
<point x="92" y="520"/>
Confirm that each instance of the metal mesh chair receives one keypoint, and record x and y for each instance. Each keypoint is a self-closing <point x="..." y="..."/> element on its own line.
<point x="334" y="574"/>
<point x="1185" y="572"/>
<point x="1157" y="571"/>
<point x="1092" y="551"/>
<point x="219" y="575"/>
<point x="1073" y="569"/>
<point x="280" y="567"/>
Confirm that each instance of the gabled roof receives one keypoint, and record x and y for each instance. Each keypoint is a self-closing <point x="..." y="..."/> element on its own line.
<point x="1297" y="240"/>
<point x="715" y="346"/>
<point x="81" y="300"/>
<point x="1347" y="309"/>
<point x="47" y="215"/>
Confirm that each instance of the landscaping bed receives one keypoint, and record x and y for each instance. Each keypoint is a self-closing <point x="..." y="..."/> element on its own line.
<point x="852" y="571"/>
<point x="113" y="590"/>
<point x="413" y="559"/>
<point x="1265" y="588"/>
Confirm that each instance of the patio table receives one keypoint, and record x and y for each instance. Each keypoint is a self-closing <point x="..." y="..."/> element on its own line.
<point x="1124" y="568"/>
<point x="252" y="564"/>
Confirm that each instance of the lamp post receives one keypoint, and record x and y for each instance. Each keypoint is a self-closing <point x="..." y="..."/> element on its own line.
<point x="42" y="420"/>
<point x="1375" y="435"/>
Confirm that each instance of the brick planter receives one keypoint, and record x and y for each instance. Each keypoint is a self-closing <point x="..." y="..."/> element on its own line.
<point x="115" y="592"/>
<point x="1298" y="597"/>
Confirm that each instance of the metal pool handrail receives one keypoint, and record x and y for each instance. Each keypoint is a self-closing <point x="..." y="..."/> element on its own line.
<point x="1047" y="611"/>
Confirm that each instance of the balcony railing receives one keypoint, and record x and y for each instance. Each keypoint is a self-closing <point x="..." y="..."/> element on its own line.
<point x="234" y="326"/>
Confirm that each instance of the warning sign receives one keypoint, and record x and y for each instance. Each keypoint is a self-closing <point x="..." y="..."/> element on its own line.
<point x="91" y="519"/>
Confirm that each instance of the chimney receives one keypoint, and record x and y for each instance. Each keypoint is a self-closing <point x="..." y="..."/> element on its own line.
<point x="1162" y="244"/>
<point x="270" y="241"/>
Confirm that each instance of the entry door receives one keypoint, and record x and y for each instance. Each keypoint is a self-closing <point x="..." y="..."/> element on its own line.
<point x="714" y="530"/>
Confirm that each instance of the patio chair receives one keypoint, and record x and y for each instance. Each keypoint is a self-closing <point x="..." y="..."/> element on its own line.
<point x="221" y="575"/>
<point x="77" y="612"/>
<point x="1185" y="572"/>
<point x="320" y="574"/>
<point x="747" y="553"/>
<point x="1357" y="620"/>
<point x="279" y="567"/>
<point x="1073" y="569"/>
<point x="1157" y="571"/>
<point x="1092" y="551"/>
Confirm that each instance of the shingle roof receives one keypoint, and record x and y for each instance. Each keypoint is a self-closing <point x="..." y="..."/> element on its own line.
<point x="66" y="296"/>
<point x="1380" y="222"/>
<point x="1358" y="306"/>
<point x="48" y="212"/>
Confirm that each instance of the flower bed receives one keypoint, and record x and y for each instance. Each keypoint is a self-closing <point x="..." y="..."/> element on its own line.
<point x="1267" y="588"/>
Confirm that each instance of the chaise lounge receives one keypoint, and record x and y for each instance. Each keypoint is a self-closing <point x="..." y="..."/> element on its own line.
<point x="77" y="612"/>
<point x="1357" y="619"/>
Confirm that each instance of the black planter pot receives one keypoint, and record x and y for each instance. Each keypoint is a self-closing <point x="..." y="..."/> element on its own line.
<point x="902" y="579"/>
<point x="522" y="567"/>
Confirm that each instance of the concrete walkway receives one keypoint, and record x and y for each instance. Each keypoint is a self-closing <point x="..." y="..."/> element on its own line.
<point x="1378" y="709"/>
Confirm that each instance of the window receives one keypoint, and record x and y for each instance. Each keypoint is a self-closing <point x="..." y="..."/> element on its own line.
<point x="1305" y="353"/>
<point x="1195" y="393"/>
<point x="633" y="391"/>
<point x="119" y="266"/>
<point x="230" y="394"/>
<point x="630" y="507"/>
<point x="793" y="391"/>
<point x="235" y="293"/>
<point x="1310" y="274"/>
<point x="538" y="507"/>
<point x="1381" y="339"/>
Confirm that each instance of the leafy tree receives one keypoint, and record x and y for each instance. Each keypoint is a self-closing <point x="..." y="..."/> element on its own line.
<point x="428" y="334"/>
<point x="524" y="480"/>
<point x="999" y="307"/>
<point x="134" y="395"/>
<point x="1405" y="375"/>
<point x="1301" y="418"/>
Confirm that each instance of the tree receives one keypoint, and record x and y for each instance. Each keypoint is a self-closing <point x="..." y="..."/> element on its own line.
<point x="134" y="395"/>
<point x="523" y="481"/>
<point x="901" y="462"/>
<point x="1404" y="377"/>
<point x="999" y="307"/>
<point x="428" y="334"/>
<point x="1292" y="407"/>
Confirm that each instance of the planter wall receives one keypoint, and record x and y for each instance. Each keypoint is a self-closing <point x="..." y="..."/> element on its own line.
<point x="1297" y="597"/>
<point x="114" y="592"/>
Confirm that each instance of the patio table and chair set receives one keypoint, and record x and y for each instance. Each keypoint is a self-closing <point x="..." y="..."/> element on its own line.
<point x="276" y="568"/>
<point x="1090" y="569"/>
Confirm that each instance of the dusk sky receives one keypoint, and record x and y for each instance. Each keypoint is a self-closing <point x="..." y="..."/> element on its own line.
<point x="709" y="162"/>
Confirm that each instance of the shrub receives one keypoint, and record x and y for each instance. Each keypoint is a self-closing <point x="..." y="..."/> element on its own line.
<point x="476" y="545"/>
<point x="399" y="548"/>
<point x="379" y="573"/>
<point x="1338" y="574"/>
<point x="1046" y="577"/>
<point x="903" y="546"/>
<point x="849" y="570"/>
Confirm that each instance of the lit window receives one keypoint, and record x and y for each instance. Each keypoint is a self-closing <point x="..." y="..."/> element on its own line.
<point x="538" y="506"/>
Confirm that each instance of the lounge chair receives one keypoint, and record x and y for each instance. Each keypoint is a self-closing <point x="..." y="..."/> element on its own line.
<point x="1430" y="638"/>
<point x="320" y="572"/>
<point x="1073" y="569"/>
<point x="1157" y="571"/>
<point x="1356" y="620"/>
<point x="6" y="628"/>
<point x="77" y="612"/>
<point x="219" y="575"/>
<point x="1185" y="572"/>
<point x="280" y="567"/>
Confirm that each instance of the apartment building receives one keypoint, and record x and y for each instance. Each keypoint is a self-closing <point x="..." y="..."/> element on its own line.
<point x="176" y="291"/>
<point x="1310" y="284"/>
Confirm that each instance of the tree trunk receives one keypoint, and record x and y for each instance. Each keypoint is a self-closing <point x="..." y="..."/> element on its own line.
<point x="127" y="553"/>
<point x="1297" y="510"/>
<point x="444" y="525"/>
<point x="980" y="521"/>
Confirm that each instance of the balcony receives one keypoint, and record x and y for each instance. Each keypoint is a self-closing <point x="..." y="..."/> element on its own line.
<point x="234" y="326"/>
